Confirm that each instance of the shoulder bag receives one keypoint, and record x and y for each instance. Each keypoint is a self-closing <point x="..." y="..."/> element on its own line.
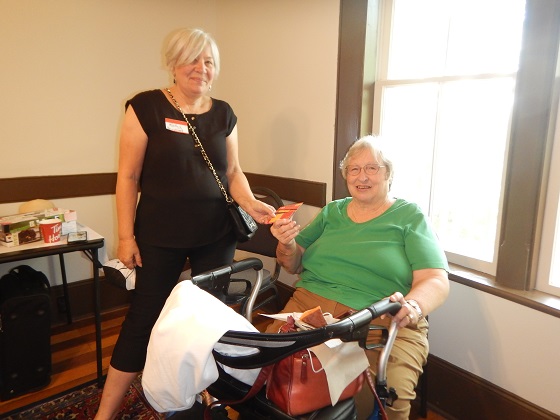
<point x="244" y="225"/>
<point x="298" y="384"/>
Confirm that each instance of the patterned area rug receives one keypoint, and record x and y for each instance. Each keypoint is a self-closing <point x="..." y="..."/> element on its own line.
<point x="82" y="403"/>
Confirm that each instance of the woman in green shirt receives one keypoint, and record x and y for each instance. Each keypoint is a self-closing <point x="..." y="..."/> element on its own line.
<point x="363" y="248"/>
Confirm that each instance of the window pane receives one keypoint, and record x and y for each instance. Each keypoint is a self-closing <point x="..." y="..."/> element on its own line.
<point x="418" y="39"/>
<point x="554" y="278"/>
<point x="448" y="143"/>
<point x="408" y="123"/>
<point x="485" y="36"/>
<point x="434" y="38"/>
<point x="473" y="124"/>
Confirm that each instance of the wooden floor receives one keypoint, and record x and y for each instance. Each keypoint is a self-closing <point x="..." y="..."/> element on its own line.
<point x="74" y="358"/>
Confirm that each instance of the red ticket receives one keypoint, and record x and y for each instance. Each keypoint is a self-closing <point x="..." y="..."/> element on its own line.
<point x="285" y="212"/>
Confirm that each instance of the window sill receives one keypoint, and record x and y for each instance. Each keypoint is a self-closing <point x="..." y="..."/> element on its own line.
<point x="533" y="299"/>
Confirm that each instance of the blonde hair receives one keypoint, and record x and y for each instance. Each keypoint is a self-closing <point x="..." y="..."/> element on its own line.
<point x="185" y="45"/>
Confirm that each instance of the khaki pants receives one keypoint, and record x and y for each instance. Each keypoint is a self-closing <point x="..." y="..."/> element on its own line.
<point x="408" y="355"/>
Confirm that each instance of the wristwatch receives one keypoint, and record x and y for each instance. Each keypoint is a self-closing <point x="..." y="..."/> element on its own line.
<point x="416" y="307"/>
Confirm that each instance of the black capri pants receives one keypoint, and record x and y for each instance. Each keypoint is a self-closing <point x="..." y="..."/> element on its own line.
<point x="160" y="271"/>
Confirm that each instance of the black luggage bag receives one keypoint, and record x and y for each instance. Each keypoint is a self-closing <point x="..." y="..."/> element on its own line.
<point x="25" y="332"/>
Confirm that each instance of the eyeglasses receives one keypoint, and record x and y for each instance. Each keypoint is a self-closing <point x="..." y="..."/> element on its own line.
<point x="368" y="169"/>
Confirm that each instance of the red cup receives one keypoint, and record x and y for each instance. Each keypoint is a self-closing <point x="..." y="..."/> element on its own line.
<point x="51" y="230"/>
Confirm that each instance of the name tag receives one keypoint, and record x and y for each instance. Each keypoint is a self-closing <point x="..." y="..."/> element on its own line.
<point x="176" y="126"/>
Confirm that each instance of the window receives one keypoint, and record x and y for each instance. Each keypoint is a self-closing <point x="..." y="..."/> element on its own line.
<point x="528" y="254"/>
<point x="444" y="95"/>
<point x="548" y="272"/>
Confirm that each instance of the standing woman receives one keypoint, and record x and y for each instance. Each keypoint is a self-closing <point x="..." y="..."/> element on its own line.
<point x="181" y="212"/>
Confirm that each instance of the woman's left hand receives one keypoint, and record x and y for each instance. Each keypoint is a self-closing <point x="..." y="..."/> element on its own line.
<point x="407" y="314"/>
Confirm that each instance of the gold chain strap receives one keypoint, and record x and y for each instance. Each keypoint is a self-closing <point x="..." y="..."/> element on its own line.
<point x="198" y="144"/>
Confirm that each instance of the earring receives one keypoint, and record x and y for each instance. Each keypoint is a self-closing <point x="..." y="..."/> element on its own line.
<point x="209" y="88"/>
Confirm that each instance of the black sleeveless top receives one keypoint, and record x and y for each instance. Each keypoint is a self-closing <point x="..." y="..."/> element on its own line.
<point x="180" y="202"/>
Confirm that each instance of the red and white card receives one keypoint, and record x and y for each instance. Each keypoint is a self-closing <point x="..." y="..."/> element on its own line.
<point x="285" y="212"/>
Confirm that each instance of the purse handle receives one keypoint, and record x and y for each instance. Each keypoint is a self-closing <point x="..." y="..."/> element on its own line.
<point x="198" y="144"/>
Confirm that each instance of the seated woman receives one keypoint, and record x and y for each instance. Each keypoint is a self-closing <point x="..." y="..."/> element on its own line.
<point x="361" y="249"/>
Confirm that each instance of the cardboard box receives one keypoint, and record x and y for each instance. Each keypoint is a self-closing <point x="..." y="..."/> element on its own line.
<point x="19" y="229"/>
<point x="23" y="228"/>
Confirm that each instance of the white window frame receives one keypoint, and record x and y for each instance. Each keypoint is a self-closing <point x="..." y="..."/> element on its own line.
<point x="548" y="266"/>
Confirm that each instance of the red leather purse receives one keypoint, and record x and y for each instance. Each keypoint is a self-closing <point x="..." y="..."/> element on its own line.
<point x="298" y="384"/>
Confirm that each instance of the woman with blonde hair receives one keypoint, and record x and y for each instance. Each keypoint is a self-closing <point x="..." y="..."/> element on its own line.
<point x="181" y="213"/>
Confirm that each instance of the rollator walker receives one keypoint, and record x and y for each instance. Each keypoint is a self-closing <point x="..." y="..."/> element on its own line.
<point x="274" y="347"/>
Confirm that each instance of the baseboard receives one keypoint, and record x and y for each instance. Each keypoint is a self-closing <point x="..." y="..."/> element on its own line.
<point x="458" y="394"/>
<point x="82" y="301"/>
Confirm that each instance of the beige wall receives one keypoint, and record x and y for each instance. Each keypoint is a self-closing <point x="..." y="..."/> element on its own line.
<point x="68" y="67"/>
<point x="507" y="344"/>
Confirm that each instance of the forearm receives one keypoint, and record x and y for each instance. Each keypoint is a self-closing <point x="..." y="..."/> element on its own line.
<point x="289" y="257"/>
<point x="126" y="197"/>
<point x="239" y="188"/>
<point x="430" y="292"/>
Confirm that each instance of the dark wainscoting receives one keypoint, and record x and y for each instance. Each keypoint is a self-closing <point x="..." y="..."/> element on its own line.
<point x="310" y="192"/>
<point x="15" y="190"/>
<point x="457" y="394"/>
<point x="82" y="301"/>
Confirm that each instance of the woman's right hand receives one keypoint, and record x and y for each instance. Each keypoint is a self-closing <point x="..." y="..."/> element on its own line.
<point x="285" y="230"/>
<point x="129" y="254"/>
<point x="288" y="252"/>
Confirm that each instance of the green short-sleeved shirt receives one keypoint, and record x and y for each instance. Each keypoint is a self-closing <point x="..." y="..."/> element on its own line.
<point x="357" y="264"/>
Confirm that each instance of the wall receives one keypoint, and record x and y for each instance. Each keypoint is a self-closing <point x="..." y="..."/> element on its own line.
<point x="281" y="79"/>
<point x="509" y="345"/>
<point x="80" y="61"/>
<point x="68" y="67"/>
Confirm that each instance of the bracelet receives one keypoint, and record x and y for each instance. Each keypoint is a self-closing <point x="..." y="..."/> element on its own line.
<point x="416" y="307"/>
<point x="278" y="251"/>
<point x="283" y="253"/>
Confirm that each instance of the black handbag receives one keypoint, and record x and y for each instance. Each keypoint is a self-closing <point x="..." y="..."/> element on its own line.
<point x="244" y="226"/>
